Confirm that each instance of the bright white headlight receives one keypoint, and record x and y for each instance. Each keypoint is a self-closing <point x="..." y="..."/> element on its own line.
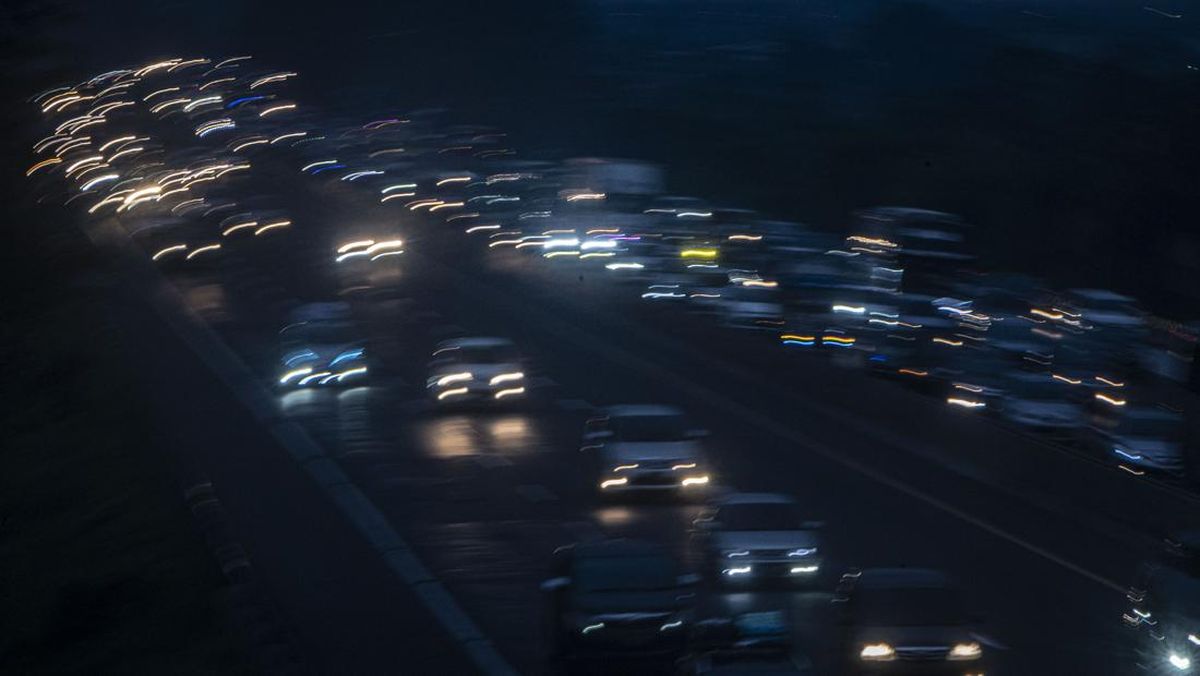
<point x="877" y="652"/>
<point x="965" y="651"/>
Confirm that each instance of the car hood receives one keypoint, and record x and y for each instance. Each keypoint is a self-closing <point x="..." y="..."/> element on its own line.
<point x="765" y="539"/>
<point x="624" y="451"/>
<point x="623" y="602"/>
<point x="934" y="635"/>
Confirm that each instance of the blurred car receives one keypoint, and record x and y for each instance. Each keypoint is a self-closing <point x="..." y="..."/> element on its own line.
<point x="755" y="643"/>
<point x="476" y="370"/>
<point x="905" y="621"/>
<point x="752" y="537"/>
<point x="321" y="348"/>
<point x="1165" y="607"/>
<point x="647" y="448"/>
<point x="1042" y="402"/>
<point x="1143" y="439"/>
<point x="617" y="599"/>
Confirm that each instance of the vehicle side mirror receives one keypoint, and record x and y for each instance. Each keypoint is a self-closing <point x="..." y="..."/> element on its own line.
<point x="555" y="583"/>
<point x="688" y="580"/>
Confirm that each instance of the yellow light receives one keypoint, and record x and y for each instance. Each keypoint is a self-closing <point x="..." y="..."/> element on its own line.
<point x="453" y="378"/>
<point x="877" y="652"/>
<point x="914" y="372"/>
<point x="506" y="377"/>
<point x="694" y="481"/>
<point x="451" y="393"/>
<point x="698" y="253"/>
<point x="1110" y="400"/>
<point x="965" y="651"/>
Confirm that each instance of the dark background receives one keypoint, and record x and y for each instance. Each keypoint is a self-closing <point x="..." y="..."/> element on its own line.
<point x="1064" y="129"/>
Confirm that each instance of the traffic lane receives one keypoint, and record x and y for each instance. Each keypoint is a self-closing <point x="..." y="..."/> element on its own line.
<point x="1028" y="471"/>
<point x="345" y="606"/>
<point x="1007" y="458"/>
<point x="881" y="520"/>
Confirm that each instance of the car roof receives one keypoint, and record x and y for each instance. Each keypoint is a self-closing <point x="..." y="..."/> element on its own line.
<point x="476" y="341"/>
<point x="902" y="578"/>
<point x="635" y="410"/>
<point x="757" y="499"/>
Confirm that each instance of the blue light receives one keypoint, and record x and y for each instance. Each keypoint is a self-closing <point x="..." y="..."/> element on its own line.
<point x="245" y="99"/>
<point x="307" y="354"/>
<point x="878" y="357"/>
<point x="327" y="167"/>
<point x="349" y="354"/>
<point x="806" y="343"/>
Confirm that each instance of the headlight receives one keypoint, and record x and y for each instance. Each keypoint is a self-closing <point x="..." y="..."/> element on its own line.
<point x="737" y="571"/>
<point x="694" y="480"/>
<point x="734" y="553"/>
<point x="683" y="465"/>
<point x="804" y="570"/>
<point x="451" y="378"/>
<point x="672" y="625"/>
<point x="965" y="651"/>
<point x="506" y="378"/>
<point x="622" y="468"/>
<point x="589" y="628"/>
<point x="609" y="483"/>
<point x="877" y="652"/>
<point x="1180" y="662"/>
<point x="803" y="551"/>
<point x="510" y="392"/>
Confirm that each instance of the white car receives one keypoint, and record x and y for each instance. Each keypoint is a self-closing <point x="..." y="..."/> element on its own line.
<point x="647" y="448"/>
<point x="753" y="537"/>
<point x="476" y="370"/>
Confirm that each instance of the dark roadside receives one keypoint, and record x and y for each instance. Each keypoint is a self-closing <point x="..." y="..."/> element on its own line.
<point x="104" y="568"/>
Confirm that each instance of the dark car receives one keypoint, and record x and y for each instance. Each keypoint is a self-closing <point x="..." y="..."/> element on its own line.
<point x="617" y="599"/>
<point x="905" y="621"/>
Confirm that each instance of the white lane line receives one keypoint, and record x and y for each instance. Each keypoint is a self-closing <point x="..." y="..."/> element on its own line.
<point x="766" y="423"/>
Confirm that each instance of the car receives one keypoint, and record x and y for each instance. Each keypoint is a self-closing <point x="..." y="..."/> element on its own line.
<point x="1165" y="612"/>
<point x="1043" y="402"/>
<point x="1143" y="439"/>
<point x="617" y="599"/>
<point x="646" y="448"/>
<point x="743" y="644"/>
<point x="905" y="621"/>
<point x="321" y="348"/>
<point x="753" y="537"/>
<point x="476" y="370"/>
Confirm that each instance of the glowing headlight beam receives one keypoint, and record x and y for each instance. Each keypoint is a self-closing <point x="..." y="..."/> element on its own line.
<point x="506" y="377"/>
<point x="170" y="249"/>
<point x="510" y="392"/>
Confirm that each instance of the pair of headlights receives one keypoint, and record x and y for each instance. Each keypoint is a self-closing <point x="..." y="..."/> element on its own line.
<point x="884" y="652"/>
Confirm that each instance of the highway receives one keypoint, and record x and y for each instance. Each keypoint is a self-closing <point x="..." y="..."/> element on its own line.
<point x="1042" y="540"/>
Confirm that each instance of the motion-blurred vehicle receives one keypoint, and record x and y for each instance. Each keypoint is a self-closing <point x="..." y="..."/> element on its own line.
<point x="617" y="599"/>
<point x="476" y="370"/>
<point x="647" y="448"/>
<point x="747" y="644"/>
<point x="753" y="537"/>
<point x="1043" y="402"/>
<point x="321" y="348"/>
<point x="905" y="621"/>
<point x="1165" y="607"/>
<point x="1142" y="439"/>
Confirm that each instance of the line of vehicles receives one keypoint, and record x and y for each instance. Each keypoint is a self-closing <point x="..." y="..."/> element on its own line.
<point x="895" y="296"/>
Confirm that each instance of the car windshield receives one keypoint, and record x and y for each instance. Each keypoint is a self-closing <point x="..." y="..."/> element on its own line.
<point x="922" y="607"/>
<point x="760" y="516"/>
<point x="669" y="427"/>
<point x="634" y="573"/>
